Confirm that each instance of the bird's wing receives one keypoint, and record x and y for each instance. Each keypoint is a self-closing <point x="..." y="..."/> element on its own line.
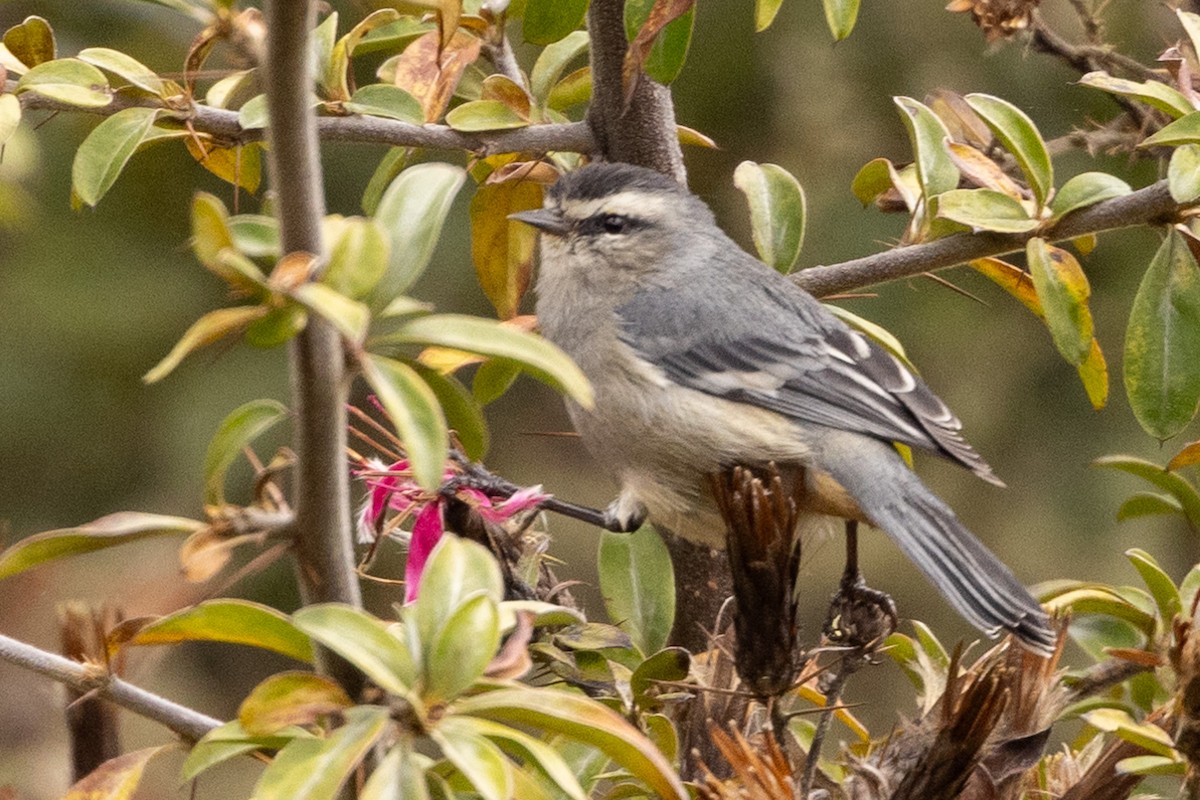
<point x="792" y="356"/>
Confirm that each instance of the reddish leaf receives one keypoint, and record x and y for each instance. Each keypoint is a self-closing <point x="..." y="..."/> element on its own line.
<point x="430" y="72"/>
<point x="115" y="779"/>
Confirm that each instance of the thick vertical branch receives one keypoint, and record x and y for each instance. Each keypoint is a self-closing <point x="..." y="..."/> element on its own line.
<point x="324" y="551"/>
<point x="644" y="132"/>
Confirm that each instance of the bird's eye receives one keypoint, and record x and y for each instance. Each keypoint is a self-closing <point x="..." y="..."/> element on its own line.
<point x="614" y="223"/>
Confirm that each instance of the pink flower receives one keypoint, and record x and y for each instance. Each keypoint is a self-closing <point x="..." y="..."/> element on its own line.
<point x="392" y="488"/>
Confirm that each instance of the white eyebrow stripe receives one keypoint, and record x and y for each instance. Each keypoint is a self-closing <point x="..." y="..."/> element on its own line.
<point x="631" y="203"/>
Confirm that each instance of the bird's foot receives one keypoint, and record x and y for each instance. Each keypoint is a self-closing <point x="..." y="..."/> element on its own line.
<point x="859" y="617"/>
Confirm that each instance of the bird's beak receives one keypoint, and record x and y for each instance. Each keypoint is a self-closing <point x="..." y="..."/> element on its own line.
<point x="544" y="220"/>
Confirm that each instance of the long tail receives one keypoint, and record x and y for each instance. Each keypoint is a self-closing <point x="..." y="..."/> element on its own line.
<point x="981" y="588"/>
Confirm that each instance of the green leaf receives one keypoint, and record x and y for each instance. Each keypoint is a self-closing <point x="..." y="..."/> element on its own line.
<point x="777" y="212"/>
<point x="211" y="327"/>
<point x="123" y="66"/>
<point x="668" y="44"/>
<point x="253" y="114"/>
<point x="1144" y="504"/>
<point x="764" y="13"/>
<point x="463" y="412"/>
<point x="290" y="698"/>
<point x="494" y="378"/>
<point x="1183" y="173"/>
<point x="579" y="718"/>
<point x="230" y="740"/>
<point x="553" y="61"/>
<point x="1063" y="289"/>
<point x="1079" y="597"/>
<point x="1162" y="341"/>
<point x="399" y="776"/>
<point x="415" y="412"/>
<point x="10" y="117"/>
<point x="672" y="664"/>
<point x="236" y="431"/>
<point x="383" y="100"/>
<point x="335" y="79"/>
<point x="840" y="15"/>
<point x="1151" y="765"/>
<point x="461" y="650"/>
<point x="389" y="167"/>
<point x="358" y="258"/>
<point x="108" y="531"/>
<point x="457" y="571"/>
<point x="320" y="50"/>
<point x="31" y="42"/>
<point x="484" y="115"/>
<point x="592" y="636"/>
<point x="1143" y="734"/>
<point x="935" y="171"/>
<point x="1176" y="486"/>
<point x="1158" y="582"/>
<point x="1153" y="93"/>
<point x="1084" y="190"/>
<point x="350" y="317"/>
<point x="488" y="338"/>
<point x="549" y="21"/>
<point x="638" y="585"/>
<point x="230" y="621"/>
<point x="1020" y="136"/>
<point x="315" y="769"/>
<point x="278" y="326"/>
<point x="576" y="89"/>
<point x="106" y="151"/>
<point x="117" y="778"/>
<point x="476" y="758"/>
<point x="503" y="248"/>
<point x="876" y="177"/>
<point x="413" y="210"/>
<point x="255" y="235"/>
<point x="362" y="640"/>
<point x="67" y="80"/>
<point x="533" y="753"/>
<point x="984" y="210"/>
<point x="1185" y="130"/>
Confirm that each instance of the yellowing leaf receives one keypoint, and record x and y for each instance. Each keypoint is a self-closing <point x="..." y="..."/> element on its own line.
<point x="290" y="698"/>
<point x="1063" y="290"/>
<point x="1190" y="454"/>
<point x="108" y="531"/>
<point x="211" y="327"/>
<point x="117" y="778"/>
<point x="232" y="622"/>
<point x="240" y="165"/>
<point x="31" y="42"/>
<point x="501" y="248"/>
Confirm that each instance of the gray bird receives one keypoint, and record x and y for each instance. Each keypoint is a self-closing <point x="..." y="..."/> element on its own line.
<point x="703" y="357"/>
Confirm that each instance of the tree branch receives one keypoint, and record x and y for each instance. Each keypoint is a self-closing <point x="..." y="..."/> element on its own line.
<point x="573" y="137"/>
<point x="642" y="130"/>
<point x="324" y="547"/>
<point x="189" y="724"/>
<point x="1148" y="206"/>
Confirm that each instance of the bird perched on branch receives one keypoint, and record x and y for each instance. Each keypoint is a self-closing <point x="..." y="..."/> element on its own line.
<point x="703" y="357"/>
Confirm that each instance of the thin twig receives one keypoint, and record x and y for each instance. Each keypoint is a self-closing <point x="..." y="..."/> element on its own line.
<point x="573" y="137"/>
<point x="833" y="698"/>
<point x="190" y="724"/>
<point x="1151" y="205"/>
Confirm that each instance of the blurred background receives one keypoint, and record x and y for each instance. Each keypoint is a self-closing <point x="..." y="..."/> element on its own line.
<point x="92" y="299"/>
